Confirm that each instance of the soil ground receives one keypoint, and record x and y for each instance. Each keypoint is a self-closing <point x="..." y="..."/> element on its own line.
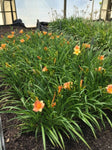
<point x="14" y="140"/>
<point x="17" y="141"/>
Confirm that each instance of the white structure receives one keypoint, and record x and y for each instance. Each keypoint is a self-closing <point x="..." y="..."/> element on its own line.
<point x="7" y="12"/>
<point x="106" y="10"/>
<point x="45" y="10"/>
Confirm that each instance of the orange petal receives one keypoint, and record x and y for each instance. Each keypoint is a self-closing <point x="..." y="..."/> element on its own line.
<point x="59" y="88"/>
<point x="109" y="89"/>
<point x="45" y="69"/>
<point x="38" y="106"/>
<point x="67" y="85"/>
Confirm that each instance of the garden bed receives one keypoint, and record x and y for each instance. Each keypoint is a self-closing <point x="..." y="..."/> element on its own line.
<point x="16" y="141"/>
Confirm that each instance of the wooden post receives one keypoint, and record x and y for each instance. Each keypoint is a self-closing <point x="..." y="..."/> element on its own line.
<point x="65" y="8"/>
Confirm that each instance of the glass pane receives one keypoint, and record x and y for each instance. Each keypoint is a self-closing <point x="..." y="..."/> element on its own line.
<point x="1" y="19"/>
<point x="103" y="14"/>
<point x="8" y="18"/>
<point x="7" y="6"/>
<point x="13" y="5"/>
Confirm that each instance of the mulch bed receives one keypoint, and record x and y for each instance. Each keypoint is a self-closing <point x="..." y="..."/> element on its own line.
<point x="4" y="30"/>
<point x="14" y="140"/>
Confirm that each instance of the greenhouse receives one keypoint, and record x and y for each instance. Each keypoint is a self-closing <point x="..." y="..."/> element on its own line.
<point x="56" y="75"/>
<point x="47" y="11"/>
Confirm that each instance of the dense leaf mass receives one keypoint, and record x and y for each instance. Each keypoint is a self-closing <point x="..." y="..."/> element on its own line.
<point x="55" y="80"/>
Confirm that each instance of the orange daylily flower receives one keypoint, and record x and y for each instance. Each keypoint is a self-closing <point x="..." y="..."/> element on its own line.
<point x="12" y="32"/>
<point x="109" y="89"/>
<point x="52" y="37"/>
<point x="44" y="32"/>
<point x="45" y="69"/>
<point x="59" y="88"/>
<point x="67" y="85"/>
<point x="88" y="46"/>
<point x="49" y="34"/>
<point x="2" y="36"/>
<point x="101" y="57"/>
<point x="28" y="36"/>
<point x="81" y="82"/>
<point x="10" y="36"/>
<point x="3" y="45"/>
<point x="22" y="40"/>
<point x="45" y="48"/>
<point x="77" y="50"/>
<point x="57" y="36"/>
<point x="76" y="47"/>
<point x="38" y="106"/>
<point x="68" y="42"/>
<point x="21" y="31"/>
<point x="99" y="69"/>
<point x="85" y="45"/>
<point x="53" y="103"/>
<point x="39" y="57"/>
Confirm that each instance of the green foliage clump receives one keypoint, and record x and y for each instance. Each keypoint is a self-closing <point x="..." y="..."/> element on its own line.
<point x="54" y="80"/>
